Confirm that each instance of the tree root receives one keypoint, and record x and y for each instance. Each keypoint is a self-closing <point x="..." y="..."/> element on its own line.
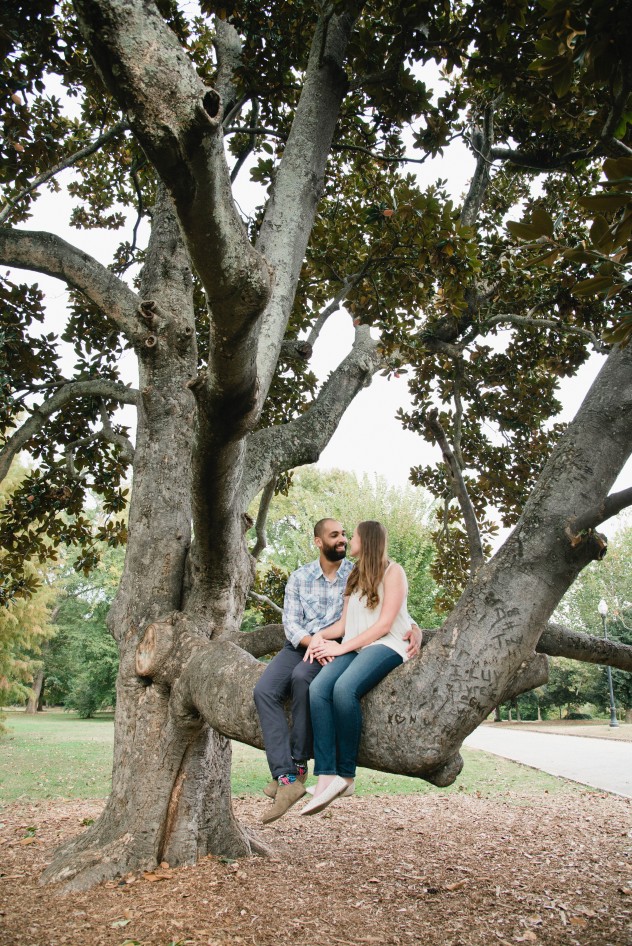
<point x="77" y="867"/>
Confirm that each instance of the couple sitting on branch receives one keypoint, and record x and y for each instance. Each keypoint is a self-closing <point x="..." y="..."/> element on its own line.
<point x="347" y="626"/>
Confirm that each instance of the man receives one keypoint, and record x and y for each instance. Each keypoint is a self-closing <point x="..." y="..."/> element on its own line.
<point x="313" y="600"/>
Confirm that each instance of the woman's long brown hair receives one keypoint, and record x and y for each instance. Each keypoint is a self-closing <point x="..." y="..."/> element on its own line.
<point x="368" y="571"/>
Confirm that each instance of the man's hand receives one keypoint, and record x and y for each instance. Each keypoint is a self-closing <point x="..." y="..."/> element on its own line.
<point x="315" y="641"/>
<point x="414" y="637"/>
<point x="325" y="650"/>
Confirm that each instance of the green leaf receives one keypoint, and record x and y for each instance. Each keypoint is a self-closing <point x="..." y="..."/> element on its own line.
<point x="580" y="256"/>
<point x="594" y="285"/>
<point x="545" y="259"/>
<point x="524" y="231"/>
<point x="605" y="203"/>
<point x="621" y="332"/>
<point x="618" y="169"/>
<point x="600" y="234"/>
<point x="563" y="80"/>
<point x="543" y="221"/>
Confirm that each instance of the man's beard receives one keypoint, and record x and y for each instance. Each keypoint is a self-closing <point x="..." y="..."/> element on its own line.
<point x="332" y="554"/>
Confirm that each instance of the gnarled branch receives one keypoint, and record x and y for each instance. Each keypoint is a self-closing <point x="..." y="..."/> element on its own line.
<point x="289" y="216"/>
<point x="611" y="506"/>
<point x="513" y="319"/>
<point x="178" y="121"/>
<point x="348" y="284"/>
<point x="260" y="525"/>
<point x="265" y="600"/>
<point x="457" y="482"/>
<point x="275" y="449"/>
<point x="481" y="141"/>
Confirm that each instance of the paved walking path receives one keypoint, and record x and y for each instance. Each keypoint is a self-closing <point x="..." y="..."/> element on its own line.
<point x="599" y="763"/>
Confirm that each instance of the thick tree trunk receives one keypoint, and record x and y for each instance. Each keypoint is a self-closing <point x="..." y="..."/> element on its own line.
<point x="170" y="797"/>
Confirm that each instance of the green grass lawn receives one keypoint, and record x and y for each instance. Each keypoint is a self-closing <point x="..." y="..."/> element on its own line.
<point x="57" y="755"/>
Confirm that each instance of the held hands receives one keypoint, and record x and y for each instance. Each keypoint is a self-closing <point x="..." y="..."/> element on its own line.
<point x="414" y="637"/>
<point x="310" y="654"/>
<point x="325" y="651"/>
<point x="320" y="649"/>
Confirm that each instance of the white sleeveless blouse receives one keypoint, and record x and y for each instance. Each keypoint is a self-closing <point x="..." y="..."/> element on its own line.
<point x="360" y="618"/>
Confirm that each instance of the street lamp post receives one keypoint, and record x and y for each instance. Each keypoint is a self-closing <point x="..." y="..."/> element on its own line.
<point x="602" y="607"/>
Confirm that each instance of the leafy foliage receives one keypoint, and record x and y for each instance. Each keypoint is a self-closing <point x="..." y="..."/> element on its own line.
<point x="540" y="91"/>
<point x="612" y="581"/>
<point x="81" y="661"/>
<point x="24" y="622"/>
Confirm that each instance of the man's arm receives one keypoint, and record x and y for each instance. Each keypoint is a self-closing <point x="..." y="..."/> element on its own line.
<point x="293" y="615"/>
<point x="333" y="632"/>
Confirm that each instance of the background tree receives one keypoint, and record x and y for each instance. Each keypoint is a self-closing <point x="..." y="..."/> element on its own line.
<point x="578" y="609"/>
<point x="221" y="315"/>
<point x="81" y="661"/>
<point x="25" y="621"/>
<point x="570" y="686"/>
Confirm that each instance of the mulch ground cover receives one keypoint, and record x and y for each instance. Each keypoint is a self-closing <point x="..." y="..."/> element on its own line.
<point x="458" y="870"/>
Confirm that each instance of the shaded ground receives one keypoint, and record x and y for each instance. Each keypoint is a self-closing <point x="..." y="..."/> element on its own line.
<point x="458" y="870"/>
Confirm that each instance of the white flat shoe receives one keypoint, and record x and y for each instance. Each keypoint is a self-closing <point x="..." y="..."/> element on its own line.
<point x="334" y="790"/>
<point x="346" y="794"/>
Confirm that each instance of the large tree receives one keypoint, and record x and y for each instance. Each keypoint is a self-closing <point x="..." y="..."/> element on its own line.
<point x="222" y="315"/>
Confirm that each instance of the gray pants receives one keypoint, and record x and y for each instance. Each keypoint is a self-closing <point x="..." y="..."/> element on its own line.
<point x="286" y="675"/>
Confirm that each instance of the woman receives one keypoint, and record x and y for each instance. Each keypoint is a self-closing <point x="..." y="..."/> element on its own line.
<point x="374" y="621"/>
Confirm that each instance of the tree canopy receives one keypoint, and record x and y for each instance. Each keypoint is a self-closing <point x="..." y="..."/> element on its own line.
<point x="539" y="95"/>
<point x="25" y="623"/>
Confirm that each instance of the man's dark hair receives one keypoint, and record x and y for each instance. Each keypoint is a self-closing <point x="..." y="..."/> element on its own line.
<point x="319" y="528"/>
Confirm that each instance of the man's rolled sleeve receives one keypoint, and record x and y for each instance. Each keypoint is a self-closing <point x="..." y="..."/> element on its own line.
<point x="293" y="614"/>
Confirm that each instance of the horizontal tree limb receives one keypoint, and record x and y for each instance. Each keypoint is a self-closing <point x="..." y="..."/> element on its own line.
<point x="263" y="641"/>
<point x="555" y="641"/>
<point x="557" y="326"/>
<point x="558" y="641"/>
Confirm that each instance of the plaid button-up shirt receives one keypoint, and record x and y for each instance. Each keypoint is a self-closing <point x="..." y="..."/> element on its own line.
<point x="311" y="601"/>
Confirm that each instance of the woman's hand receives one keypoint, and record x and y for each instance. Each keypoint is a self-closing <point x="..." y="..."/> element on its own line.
<point x="325" y="650"/>
<point x="310" y="654"/>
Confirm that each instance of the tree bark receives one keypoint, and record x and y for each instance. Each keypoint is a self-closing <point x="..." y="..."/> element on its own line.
<point x="161" y="806"/>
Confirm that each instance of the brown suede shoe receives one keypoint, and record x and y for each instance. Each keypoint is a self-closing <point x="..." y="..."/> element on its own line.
<point x="271" y="788"/>
<point x="286" y="796"/>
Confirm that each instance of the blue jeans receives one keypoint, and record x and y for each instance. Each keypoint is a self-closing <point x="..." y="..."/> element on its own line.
<point x="334" y="698"/>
